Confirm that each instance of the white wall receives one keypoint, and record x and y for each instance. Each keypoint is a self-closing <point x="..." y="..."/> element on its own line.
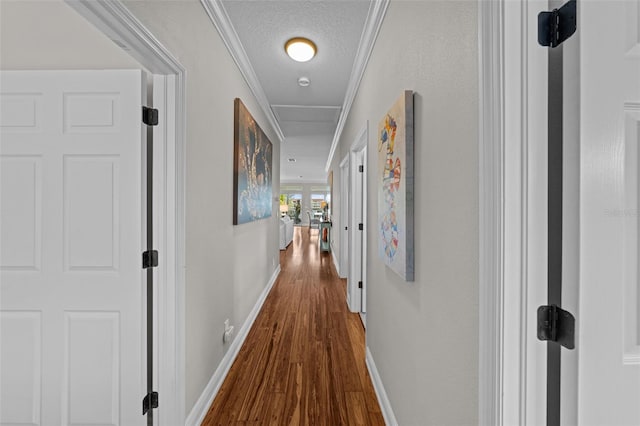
<point x="227" y="266"/>
<point x="423" y="335"/>
<point x="50" y="35"/>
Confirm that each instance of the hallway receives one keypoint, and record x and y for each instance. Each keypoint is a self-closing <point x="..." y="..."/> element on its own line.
<point x="303" y="361"/>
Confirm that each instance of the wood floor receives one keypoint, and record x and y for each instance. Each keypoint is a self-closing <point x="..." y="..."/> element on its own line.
<point x="303" y="362"/>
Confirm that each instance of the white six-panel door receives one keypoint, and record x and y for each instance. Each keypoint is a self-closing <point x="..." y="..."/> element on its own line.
<point x="608" y="385"/>
<point x="71" y="243"/>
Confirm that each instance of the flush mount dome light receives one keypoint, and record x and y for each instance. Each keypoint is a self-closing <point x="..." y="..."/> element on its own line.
<point x="300" y="49"/>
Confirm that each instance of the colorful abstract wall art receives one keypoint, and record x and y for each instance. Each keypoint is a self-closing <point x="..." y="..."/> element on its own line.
<point x="252" y="170"/>
<point x="395" y="187"/>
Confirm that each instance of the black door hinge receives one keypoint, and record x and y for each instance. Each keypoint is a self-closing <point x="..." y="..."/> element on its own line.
<point x="149" y="402"/>
<point x="558" y="25"/>
<point x="556" y="325"/>
<point x="359" y="284"/>
<point x="149" y="259"/>
<point x="360" y="226"/>
<point x="149" y="116"/>
<point x="361" y="168"/>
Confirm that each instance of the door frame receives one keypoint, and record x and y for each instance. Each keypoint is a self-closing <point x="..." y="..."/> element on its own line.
<point x="512" y="232"/>
<point x="355" y="295"/>
<point x="344" y="215"/>
<point x="115" y="21"/>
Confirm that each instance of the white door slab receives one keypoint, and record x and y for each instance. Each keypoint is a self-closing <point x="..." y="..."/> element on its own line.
<point x="71" y="241"/>
<point x="608" y="319"/>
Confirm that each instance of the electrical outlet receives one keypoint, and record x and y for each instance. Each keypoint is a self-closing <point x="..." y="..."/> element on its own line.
<point x="228" y="335"/>
<point x="228" y="332"/>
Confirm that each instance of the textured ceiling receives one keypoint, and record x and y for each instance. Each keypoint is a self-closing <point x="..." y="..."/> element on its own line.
<point x="326" y="114"/>
<point x="263" y="27"/>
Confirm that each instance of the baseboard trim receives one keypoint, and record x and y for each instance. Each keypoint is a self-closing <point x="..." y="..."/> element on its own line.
<point x="383" y="400"/>
<point x="335" y="262"/>
<point x="199" y="410"/>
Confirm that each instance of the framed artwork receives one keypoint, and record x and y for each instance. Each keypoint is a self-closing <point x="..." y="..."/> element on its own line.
<point x="395" y="187"/>
<point x="252" y="168"/>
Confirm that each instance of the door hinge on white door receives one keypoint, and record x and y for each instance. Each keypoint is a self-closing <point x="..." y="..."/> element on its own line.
<point x="558" y="25"/>
<point x="359" y="284"/>
<point x="361" y="168"/>
<point x="149" y="402"/>
<point x="149" y="116"/>
<point x="556" y="325"/>
<point x="149" y="259"/>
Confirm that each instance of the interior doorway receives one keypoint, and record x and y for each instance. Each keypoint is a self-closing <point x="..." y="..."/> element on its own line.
<point x="358" y="213"/>
<point x="169" y="91"/>
<point x="344" y="217"/>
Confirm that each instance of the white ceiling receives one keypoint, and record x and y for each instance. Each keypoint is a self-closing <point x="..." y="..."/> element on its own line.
<point x="307" y="116"/>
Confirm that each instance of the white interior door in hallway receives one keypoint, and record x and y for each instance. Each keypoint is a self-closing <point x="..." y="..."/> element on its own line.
<point x="607" y="386"/>
<point x="71" y="243"/>
<point x="361" y="217"/>
<point x="357" y="281"/>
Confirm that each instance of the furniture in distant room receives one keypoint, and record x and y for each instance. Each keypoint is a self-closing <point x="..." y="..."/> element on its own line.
<point x="324" y="235"/>
<point x="286" y="232"/>
<point x="314" y="223"/>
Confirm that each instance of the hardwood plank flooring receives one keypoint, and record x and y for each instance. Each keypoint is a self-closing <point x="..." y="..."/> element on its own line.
<point x="303" y="362"/>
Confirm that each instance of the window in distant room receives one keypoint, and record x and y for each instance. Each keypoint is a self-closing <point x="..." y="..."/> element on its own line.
<point x="320" y="202"/>
<point x="292" y="197"/>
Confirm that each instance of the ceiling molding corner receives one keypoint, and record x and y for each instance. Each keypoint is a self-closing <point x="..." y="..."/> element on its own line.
<point x="222" y="22"/>
<point x="369" y="34"/>
<point x="118" y="23"/>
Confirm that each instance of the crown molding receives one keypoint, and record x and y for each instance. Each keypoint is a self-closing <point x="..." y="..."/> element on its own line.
<point x="222" y="22"/>
<point x="369" y="34"/>
<point x="125" y="30"/>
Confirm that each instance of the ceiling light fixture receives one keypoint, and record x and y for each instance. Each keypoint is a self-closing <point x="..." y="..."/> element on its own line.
<point x="300" y="49"/>
<point x="304" y="81"/>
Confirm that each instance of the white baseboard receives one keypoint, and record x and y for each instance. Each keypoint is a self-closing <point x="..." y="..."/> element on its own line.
<point x="383" y="400"/>
<point x="335" y="262"/>
<point x="199" y="411"/>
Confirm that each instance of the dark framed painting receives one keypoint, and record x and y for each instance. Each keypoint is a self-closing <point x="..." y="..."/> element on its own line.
<point x="252" y="169"/>
<point x="395" y="187"/>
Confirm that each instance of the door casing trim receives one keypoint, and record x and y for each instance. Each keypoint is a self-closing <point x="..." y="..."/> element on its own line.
<point x="344" y="215"/>
<point x="512" y="73"/>
<point x="116" y="21"/>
